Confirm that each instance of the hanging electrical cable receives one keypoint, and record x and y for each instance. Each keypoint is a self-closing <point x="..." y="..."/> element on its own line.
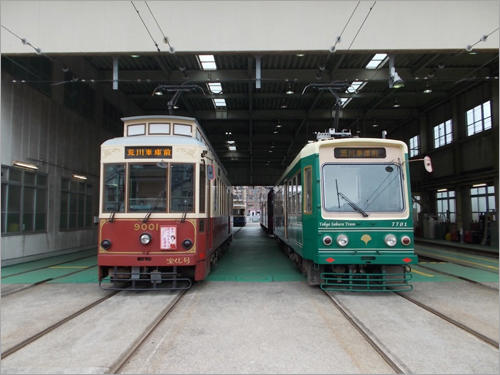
<point x="339" y="37"/>
<point x="362" y="24"/>
<point x="147" y="29"/>
<point x="171" y="48"/>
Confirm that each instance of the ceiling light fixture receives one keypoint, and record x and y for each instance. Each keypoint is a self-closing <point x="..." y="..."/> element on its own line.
<point x="79" y="177"/>
<point x="395" y="81"/>
<point x="396" y="104"/>
<point x="22" y="164"/>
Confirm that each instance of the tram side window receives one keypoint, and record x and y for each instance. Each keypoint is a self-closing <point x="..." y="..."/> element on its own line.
<point x="182" y="188"/>
<point x="147" y="188"/>
<point x="114" y="188"/>
<point x="299" y="193"/>
<point x="307" y="190"/>
<point x="202" y="189"/>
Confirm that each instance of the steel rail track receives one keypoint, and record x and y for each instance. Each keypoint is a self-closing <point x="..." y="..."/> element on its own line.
<point x="35" y="337"/>
<point x="456" y="323"/>
<point x="459" y="277"/>
<point x="45" y="281"/>
<point x="395" y="363"/>
<point x="463" y="250"/>
<point x="464" y="263"/>
<point x="132" y="349"/>
<point x="48" y="266"/>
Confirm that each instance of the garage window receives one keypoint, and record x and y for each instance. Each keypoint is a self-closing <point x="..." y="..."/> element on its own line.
<point x="76" y="205"/>
<point x="24" y="201"/>
<point x="445" y="200"/>
<point x="443" y="134"/>
<point x="414" y="146"/>
<point x="479" y="118"/>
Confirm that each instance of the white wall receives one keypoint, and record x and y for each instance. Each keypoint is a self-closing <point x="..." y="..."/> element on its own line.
<point x="113" y="26"/>
<point x="36" y="129"/>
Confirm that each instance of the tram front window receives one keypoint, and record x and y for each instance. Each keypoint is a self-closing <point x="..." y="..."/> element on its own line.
<point x="181" y="191"/>
<point x="363" y="188"/>
<point x="114" y="188"/>
<point x="147" y="188"/>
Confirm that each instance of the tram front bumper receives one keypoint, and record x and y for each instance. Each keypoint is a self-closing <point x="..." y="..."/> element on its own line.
<point x="366" y="258"/>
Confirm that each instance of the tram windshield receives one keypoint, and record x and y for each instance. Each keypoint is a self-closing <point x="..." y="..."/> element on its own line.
<point x="149" y="187"/>
<point x="363" y="188"/>
<point x="147" y="190"/>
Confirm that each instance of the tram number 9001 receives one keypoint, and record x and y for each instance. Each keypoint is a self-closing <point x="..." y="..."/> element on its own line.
<point x="146" y="226"/>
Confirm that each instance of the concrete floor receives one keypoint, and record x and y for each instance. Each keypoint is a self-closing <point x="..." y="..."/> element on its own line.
<point x="256" y="319"/>
<point x="256" y="328"/>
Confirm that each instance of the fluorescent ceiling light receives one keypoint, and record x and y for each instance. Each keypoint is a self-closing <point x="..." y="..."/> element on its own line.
<point x="355" y="86"/>
<point x="377" y="61"/>
<point x="22" y="164"/>
<point x="79" y="177"/>
<point x="215" y="87"/>
<point x="345" y="101"/>
<point x="479" y="185"/>
<point x="441" y="190"/>
<point x="220" y="102"/>
<point x="207" y="62"/>
<point x="232" y="148"/>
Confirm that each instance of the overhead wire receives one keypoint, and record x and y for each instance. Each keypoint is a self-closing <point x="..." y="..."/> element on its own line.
<point x="145" y="26"/>
<point x="362" y="24"/>
<point x="165" y="38"/>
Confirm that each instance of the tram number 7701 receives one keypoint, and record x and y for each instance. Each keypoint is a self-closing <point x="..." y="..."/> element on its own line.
<point x="399" y="224"/>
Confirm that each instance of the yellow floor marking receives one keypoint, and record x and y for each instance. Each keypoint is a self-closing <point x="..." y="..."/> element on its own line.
<point x="422" y="273"/>
<point x="79" y="267"/>
<point x="466" y="261"/>
<point x="485" y="259"/>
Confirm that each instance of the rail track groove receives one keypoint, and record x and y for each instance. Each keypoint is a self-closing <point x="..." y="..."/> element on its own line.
<point x="35" y="337"/>
<point x="122" y="360"/>
<point x="395" y="363"/>
<point x="456" y="323"/>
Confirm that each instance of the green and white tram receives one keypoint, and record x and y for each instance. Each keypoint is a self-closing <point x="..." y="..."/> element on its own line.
<point x="342" y="209"/>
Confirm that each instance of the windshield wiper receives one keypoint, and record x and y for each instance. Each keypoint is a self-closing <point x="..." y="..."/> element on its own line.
<point x="153" y="207"/>
<point x="352" y="204"/>
<point x="349" y="202"/>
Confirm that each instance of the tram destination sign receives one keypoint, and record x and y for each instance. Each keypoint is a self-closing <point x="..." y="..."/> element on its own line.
<point x="148" y="152"/>
<point x="359" y="152"/>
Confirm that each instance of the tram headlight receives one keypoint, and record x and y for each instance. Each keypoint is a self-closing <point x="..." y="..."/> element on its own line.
<point x="342" y="240"/>
<point x="390" y="240"/>
<point x="106" y="244"/>
<point x="145" y="238"/>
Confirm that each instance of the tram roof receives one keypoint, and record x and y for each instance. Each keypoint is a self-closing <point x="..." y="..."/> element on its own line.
<point x="155" y="140"/>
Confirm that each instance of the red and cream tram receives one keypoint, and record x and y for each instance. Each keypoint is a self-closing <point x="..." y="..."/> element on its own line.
<point x="165" y="212"/>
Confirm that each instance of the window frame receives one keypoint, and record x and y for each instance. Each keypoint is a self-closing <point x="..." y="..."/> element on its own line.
<point x="447" y="196"/>
<point x="475" y="121"/>
<point x="441" y="138"/>
<point x="478" y="195"/>
<point x="414" y="149"/>
<point x="307" y="204"/>
<point x="38" y="189"/>
<point x="87" y="193"/>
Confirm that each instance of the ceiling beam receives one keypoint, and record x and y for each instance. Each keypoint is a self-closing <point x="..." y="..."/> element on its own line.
<point x="301" y="75"/>
<point x="317" y="114"/>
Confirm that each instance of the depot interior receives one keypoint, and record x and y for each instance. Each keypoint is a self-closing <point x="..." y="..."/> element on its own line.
<point x="258" y="112"/>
